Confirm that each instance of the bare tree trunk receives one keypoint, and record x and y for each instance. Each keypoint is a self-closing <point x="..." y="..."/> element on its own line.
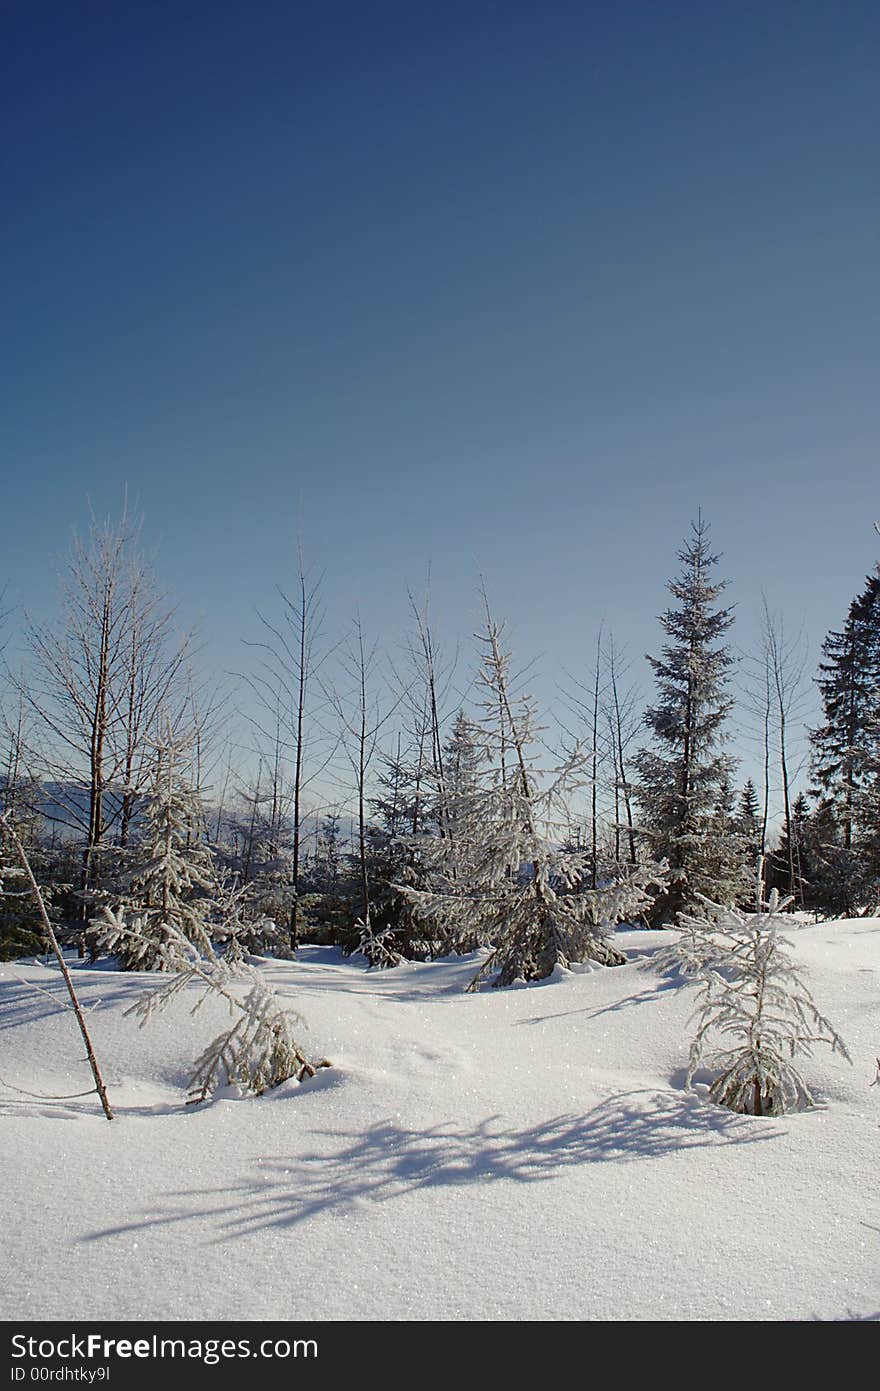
<point x="10" y="830"/>
<point x="298" y="764"/>
<point x="362" y="775"/>
<point x="431" y="714"/>
<point x="96" y="762"/>
<point x="784" y="671"/>
<point x="252" y="829"/>
<point x="621" y="753"/>
<point x="420" y="766"/>
<point x="594" y="805"/>
<point x="615" y="768"/>
<point x="359" y="723"/>
<point x="766" y="789"/>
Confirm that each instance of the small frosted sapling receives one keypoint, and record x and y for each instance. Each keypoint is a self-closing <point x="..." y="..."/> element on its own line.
<point x="754" y="1001"/>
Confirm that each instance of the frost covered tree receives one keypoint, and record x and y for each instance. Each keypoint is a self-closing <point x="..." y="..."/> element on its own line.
<point x="237" y="925"/>
<point x="169" y="894"/>
<point x="102" y="675"/>
<point x="259" y="1050"/>
<point x="516" y="888"/>
<point x="755" y="1001"/>
<point x="437" y="846"/>
<point x="681" y="779"/>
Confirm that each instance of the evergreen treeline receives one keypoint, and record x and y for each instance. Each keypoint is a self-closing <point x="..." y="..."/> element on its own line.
<point x="385" y="814"/>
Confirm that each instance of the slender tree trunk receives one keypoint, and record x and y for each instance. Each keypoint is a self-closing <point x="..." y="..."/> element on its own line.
<point x="766" y="788"/>
<point x="252" y="829"/>
<point x="298" y="769"/>
<point x="10" y="830"/>
<point x="594" y="818"/>
<point x="783" y="761"/>
<point x="361" y="781"/>
<point x="621" y="760"/>
<point x="96" y="765"/>
<point x="417" y="798"/>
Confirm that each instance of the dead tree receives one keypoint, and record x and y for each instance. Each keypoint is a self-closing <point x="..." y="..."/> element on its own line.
<point x="103" y="675"/>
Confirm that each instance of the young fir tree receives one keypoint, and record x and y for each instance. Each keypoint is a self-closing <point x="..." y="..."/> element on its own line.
<point x="259" y="1050"/>
<point x="755" y="1000"/>
<point x="681" y="780"/>
<point x="513" y="886"/>
<point x="170" y="891"/>
<point x="846" y="751"/>
<point x="749" y="818"/>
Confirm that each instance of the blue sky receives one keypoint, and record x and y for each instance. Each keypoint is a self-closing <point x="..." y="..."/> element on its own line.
<point x="514" y="287"/>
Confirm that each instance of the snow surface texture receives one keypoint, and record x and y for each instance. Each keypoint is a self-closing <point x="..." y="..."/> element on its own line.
<point x="518" y="1154"/>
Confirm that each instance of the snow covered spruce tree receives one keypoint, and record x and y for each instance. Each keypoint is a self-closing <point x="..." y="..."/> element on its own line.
<point x="511" y="885"/>
<point x="756" y="1001"/>
<point x="682" y="781"/>
<point x="171" y="890"/>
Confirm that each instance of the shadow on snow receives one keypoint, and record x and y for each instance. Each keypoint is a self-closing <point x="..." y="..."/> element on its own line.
<point x="390" y="1160"/>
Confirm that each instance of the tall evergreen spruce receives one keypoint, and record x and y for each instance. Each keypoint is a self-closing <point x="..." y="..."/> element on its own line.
<point x="846" y="753"/>
<point x="684" y="779"/>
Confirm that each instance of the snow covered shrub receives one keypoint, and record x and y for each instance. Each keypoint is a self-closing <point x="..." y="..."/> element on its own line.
<point x="259" y="1051"/>
<point x="753" y="996"/>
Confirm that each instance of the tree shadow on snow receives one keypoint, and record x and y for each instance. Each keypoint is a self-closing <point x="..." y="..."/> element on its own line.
<point x="650" y="992"/>
<point x="389" y="1160"/>
<point x="25" y="1001"/>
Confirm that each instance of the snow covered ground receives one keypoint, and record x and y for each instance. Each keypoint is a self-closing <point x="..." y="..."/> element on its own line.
<point x="519" y="1154"/>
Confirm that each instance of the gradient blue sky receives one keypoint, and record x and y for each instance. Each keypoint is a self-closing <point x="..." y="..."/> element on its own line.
<point x="512" y="285"/>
